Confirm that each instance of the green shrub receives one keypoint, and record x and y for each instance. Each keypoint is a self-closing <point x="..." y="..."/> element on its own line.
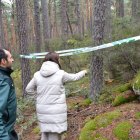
<point x="16" y="75"/>
<point x="136" y="82"/>
<point x="122" y="130"/>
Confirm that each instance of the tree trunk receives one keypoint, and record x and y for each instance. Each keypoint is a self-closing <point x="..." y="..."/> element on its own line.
<point x="23" y="41"/>
<point x="88" y="17"/>
<point x="13" y="35"/>
<point x="120" y="8"/>
<point x="78" y="14"/>
<point x="46" y="29"/>
<point x="2" y="41"/>
<point x="91" y="15"/>
<point x="96" y="84"/>
<point x="108" y="27"/>
<point x="134" y="9"/>
<point x="6" y="35"/>
<point x="37" y="28"/>
<point x="55" y="20"/>
<point x="64" y="21"/>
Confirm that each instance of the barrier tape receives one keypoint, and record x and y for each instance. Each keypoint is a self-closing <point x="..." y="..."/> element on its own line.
<point x="82" y="50"/>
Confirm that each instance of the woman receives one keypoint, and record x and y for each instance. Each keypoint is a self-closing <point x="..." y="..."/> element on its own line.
<point x="48" y="84"/>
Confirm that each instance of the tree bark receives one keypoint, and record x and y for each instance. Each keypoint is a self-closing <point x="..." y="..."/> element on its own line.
<point x="22" y="27"/>
<point x="96" y="83"/>
<point x="2" y="41"/>
<point x="64" y="28"/>
<point x="78" y="15"/>
<point x="37" y="28"/>
<point x="46" y="29"/>
<point x="108" y="27"/>
<point x="120" y="8"/>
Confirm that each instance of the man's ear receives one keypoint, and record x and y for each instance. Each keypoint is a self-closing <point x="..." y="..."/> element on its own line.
<point x="3" y="61"/>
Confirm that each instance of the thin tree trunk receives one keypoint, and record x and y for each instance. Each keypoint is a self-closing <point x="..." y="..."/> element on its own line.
<point x="64" y="28"/>
<point x="82" y="18"/>
<point x="37" y="28"/>
<point x="69" y="23"/>
<point x="13" y="35"/>
<point x="91" y="15"/>
<point x="108" y="27"/>
<point x="120" y="8"/>
<point x="22" y="27"/>
<point x="134" y="9"/>
<point x="88" y="17"/>
<point x="2" y="41"/>
<point x="6" y="37"/>
<point x="55" y="19"/>
<point x="46" y="29"/>
<point x="78" y="14"/>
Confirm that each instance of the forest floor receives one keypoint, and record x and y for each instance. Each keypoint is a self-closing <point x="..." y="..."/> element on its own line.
<point x="78" y="115"/>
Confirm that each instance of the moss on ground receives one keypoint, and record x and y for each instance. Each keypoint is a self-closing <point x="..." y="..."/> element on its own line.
<point x="36" y="130"/>
<point x="137" y="115"/>
<point x="86" y="102"/>
<point x="100" y="121"/>
<point x="108" y="94"/>
<point x="122" y="88"/>
<point x="122" y="130"/>
<point x="122" y="98"/>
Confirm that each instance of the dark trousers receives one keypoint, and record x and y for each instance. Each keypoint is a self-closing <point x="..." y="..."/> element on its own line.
<point x="13" y="135"/>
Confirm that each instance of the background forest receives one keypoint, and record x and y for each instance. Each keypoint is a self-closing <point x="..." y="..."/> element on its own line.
<point x="29" y="26"/>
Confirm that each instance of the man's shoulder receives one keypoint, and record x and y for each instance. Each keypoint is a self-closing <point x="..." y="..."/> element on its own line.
<point x="5" y="78"/>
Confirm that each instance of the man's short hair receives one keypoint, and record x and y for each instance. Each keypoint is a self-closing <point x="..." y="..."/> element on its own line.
<point x="2" y="55"/>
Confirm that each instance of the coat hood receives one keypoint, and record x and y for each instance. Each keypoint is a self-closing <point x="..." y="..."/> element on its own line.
<point x="49" y="68"/>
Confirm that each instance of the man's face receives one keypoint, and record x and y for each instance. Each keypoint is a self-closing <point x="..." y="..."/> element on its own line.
<point x="9" y="61"/>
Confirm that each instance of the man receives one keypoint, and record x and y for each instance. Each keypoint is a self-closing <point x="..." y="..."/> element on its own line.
<point x="8" y="102"/>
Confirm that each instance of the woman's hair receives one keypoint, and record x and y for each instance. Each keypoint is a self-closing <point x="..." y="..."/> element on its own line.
<point x="52" y="56"/>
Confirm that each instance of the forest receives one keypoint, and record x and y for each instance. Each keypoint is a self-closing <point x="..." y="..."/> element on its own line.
<point x="101" y="36"/>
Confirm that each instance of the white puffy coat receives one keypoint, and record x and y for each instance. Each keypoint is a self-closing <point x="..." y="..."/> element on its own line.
<point x="48" y="84"/>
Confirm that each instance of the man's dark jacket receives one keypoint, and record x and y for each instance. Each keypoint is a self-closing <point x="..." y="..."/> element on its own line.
<point x="8" y="105"/>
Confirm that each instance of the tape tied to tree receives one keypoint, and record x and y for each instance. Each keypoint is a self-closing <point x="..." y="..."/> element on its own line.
<point x="82" y="50"/>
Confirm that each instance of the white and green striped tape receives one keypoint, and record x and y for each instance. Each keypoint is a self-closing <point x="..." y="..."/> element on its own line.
<point x="82" y="50"/>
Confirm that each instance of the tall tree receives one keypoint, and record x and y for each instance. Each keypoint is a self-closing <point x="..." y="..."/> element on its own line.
<point x="91" y="14"/>
<point x="134" y="9"/>
<point x="13" y="30"/>
<point x="87" y="14"/>
<point x="2" y="41"/>
<point x="64" y="28"/>
<point x="37" y="26"/>
<point x="108" y="27"/>
<point x="78" y="14"/>
<point x="55" y="18"/>
<point x="83" y="17"/>
<point x="6" y="30"/>
<point x="120" y="8"/>
<point x="22" y="27"/>
<point x="97" y="60"/>
<point x="46" y="29"/>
